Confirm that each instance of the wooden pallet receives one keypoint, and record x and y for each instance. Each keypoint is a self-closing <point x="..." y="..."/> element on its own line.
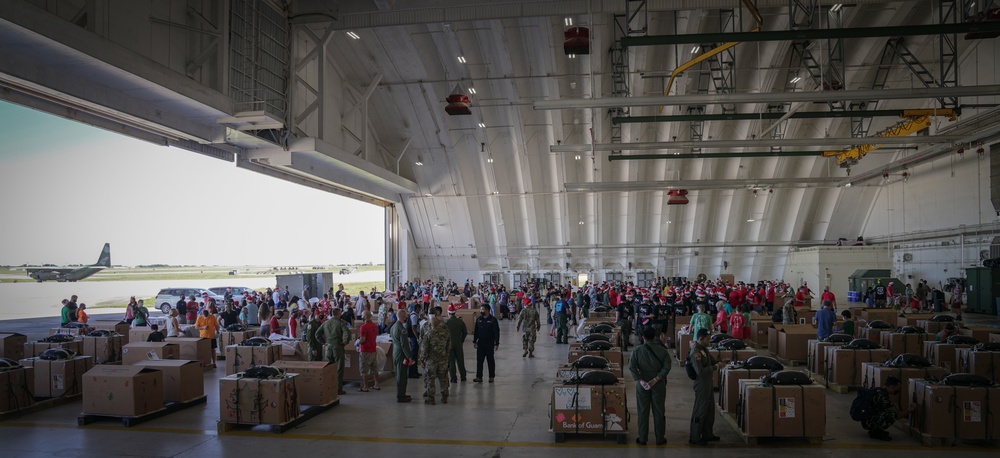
<point x="791" y="362"/>
<point x="931" y="441"/>
<point x="758" y="440"/>
<point x="129" y="421"/>
<point x="756" y="345"/>
<point x="841" y="389"/>
<point x="39" y="405"/>
<point x="305" y="413"/>
<point x="620" y="437"/>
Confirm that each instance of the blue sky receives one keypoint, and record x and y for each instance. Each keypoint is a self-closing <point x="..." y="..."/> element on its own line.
<point x="67" y="188"/>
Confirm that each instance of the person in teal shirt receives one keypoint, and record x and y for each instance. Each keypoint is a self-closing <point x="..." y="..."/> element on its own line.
<point x="700" y="320"/>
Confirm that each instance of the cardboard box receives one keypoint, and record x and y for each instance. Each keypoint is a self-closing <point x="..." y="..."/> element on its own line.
<point x="316" y="383"/>
<point x="17" y="388"/>
<point x="614" y="355"/>
<point x="816" y="356"/>
<point x="567" y="371"/>
<point x="56" y="378"/>
<point x="296" y="350"/>
<point x="805" y="315"/>
<point x="793" y="341"/>
<point x="876" y="375"/>
<point x="103" y="349"/>
<point x="183" y="380"/>
<point x="772" y="337"/>
<point x="194" y="349"/>
<point x="729" y="385"/>
<point x="468" y="317"/>
<point x="138" y="351"/>
<point x="943" y="354"/>
<point x="240" y="358"/>
<point x="758" y="332"/>
<point x="118" y="327"/>
<point x="899" y="343"/>
<point x="227" y="338"/>
<point x="985" y="363"/>
<point x="12" y="345"/>
<point x="140" y="334"/>
<point x="995" y="337"/>
<point x="683" y="345"/>
<point x="783" y="411"/>
<point x="127" y="391"/>
<point x="843" y="366"/>
<point x="352" y="362"/>
<point x="887" y="315"/>
<point x="874" y="335"/>
<point x="933" y="327"/>
<point x="912" y="319"/>
<point x="250" y="401"/>
<point x="33" y="349"/>
<point x="955" y="411"/>
<point x="74" y="331"/>
<point x="589" y="409"/>
<point x="980" y="333"/>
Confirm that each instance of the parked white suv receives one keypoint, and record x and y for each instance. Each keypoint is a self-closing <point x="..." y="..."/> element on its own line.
<point x="168" y="297"/>
<point x="239" y="292"/>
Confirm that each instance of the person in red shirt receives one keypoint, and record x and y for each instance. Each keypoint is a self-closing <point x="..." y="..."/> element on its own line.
<point x="828" y="296"/>
<point x="367" y="350"/>
<point x="769" y="298"/>
<point x="722" y="321"/>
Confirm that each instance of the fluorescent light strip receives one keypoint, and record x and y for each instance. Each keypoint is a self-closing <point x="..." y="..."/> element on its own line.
<point x="472" y="90"/>
<point x="461" y="59"/>
<point x="568" y="21"/>
<point x="353" y="35"/>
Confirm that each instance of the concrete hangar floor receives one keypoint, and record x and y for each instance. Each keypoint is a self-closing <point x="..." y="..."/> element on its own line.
<point x="506" y="418"/>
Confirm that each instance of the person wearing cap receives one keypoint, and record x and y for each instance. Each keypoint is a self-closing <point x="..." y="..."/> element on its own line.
<point x="336" y="334"/>
<point x="703" y="414"/>
<point x="367" y="352"/>
<point x="649" y="365"/>
<point x="435" y="346"/>
<point x="486" y="339"/>
<point x="456" y="357"/>
<point x="400" y="354"/>
<point x="529" y="323"/>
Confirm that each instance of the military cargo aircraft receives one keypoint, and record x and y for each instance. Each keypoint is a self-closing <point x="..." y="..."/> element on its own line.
<point x="62" y="274"/>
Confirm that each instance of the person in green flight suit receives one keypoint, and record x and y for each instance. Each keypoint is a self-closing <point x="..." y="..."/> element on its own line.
<point x="703" y="415"/>
<point x="315" y="345"/>
<point x="456" y="358"/>
<point x="649" y="365"/>
<point x="400" y="354"/>
<point x="336" y="334"/>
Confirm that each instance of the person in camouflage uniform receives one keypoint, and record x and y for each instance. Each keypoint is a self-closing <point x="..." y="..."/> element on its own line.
<point x="884" y="413"/>
<point x="315" y="345"/>
<point x="530" y="323"/>
<point x="435" y="345"/>
<point x="336" y="334"/>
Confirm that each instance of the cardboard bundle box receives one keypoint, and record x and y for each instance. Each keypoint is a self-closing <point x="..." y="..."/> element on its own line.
<point x="240" y="358"/>
<point x="127" y="391"/>
<point x="74" y="331"/>
<point x="183" y="380"/>
<point x="960" y="412"/>
<point x="783" y="411"/>
<point x="589" y="408"/>
<point x="352" y="361"/>
<point x="117" y="327"/>
<point x="468" y="316"/>
<point x="227" y="338"/>
<point x="33" y="349"/>
<point x="251" y="401"/>
<point x="567" y="371"/>
<point x="138" y="351"/>
<point x="17" y="387"/>
<point x="943" y="354"/>
<point x="912" y="319"/>
<point x="683" y="346"/>
<point x="985" y="363"/>
<point x="316" y="383"/>
<point x="56" y="378"/>
<point x="729" y="385"/>
<point x="843" y="366"/>
<point x="874" y="335"/>
<point x="141" y="333"/>
<point x="816" y="356"/>
<point x="12" y="345"/>
<point x="297" y="350"/>
<point x="898" y="343"/>
<point x="804" y="315"/>
<point x="887" y="315"/>
<point x="613" y="337"/>
<point x="731" y="356"/>
<point x="103" y="349"/>
<point x="758" y="331"/>
<point x="194" y="349"/>
<point x="793" y="341"/>
<point x="876" y="375"/>
<point x="614" y="355"/>
<point x="995" y="337"/>
<point x="933" y="327"/>
<point x="980" y="333"/>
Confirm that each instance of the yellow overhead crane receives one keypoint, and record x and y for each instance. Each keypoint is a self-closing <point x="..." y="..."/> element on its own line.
<point x="913" y="121"/>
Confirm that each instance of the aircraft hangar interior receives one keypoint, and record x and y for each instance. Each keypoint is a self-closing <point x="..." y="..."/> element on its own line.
<point x="570" y="141"/>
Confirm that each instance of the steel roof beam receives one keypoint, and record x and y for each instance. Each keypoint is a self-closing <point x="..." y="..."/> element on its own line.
<point x="764" y="143"/>
<point x="756" y="116"/>
<point x="814" y="34"/>
<point x="668" y="156"/>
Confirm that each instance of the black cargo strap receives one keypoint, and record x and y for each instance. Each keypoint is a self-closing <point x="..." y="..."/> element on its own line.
<point x="576" y="407"/>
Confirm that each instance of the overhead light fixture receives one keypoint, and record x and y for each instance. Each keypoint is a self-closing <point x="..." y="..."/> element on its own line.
<point x="796" y="79"/>
<point x="578" y="157"/>
<point x="668" y="221"/>
<point x="496" y="193"/>
<point x="490" y="160"/>
<point x="581" y="222"/>
<point x="472" y="90"/>
<point x="461" y="59"/>
<point x="750" y="220"/>
<point x="568" y="21"/>
<point x="354" y="35"/>
<point x="482" y="124"/>
<point x="838" y="6"/>
<point x="696" y="50"/>
<point x="427" y="195"/>
<point x="847" y="185"/>
<point x="420" y="161"/>
<point x="500" y="223"/>
<point x="571" y="56"/>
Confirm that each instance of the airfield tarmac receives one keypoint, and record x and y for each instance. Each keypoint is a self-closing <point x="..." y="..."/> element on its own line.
<point x="35" y="300"/>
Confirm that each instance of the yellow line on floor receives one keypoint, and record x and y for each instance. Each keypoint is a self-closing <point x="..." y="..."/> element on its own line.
<point x="589" y="443"/>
